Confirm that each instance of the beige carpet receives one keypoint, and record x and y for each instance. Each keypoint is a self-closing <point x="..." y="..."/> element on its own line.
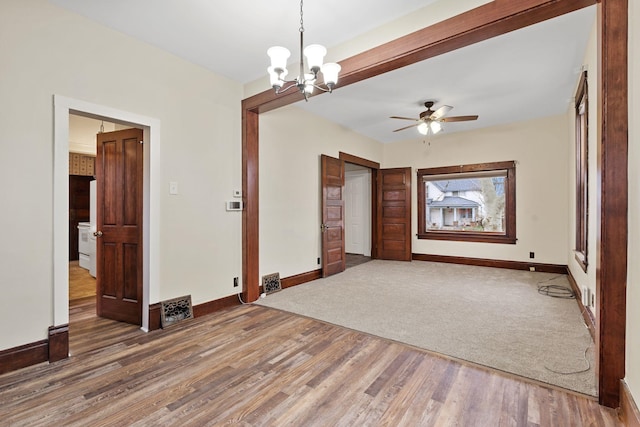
<point x="490" y="316"/>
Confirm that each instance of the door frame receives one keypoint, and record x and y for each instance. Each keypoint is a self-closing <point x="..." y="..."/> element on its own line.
<point x="373" y="216"/>
<point x="486" y="21"/>
<point x="63" y="106"/>
<point x="365" y="175"/>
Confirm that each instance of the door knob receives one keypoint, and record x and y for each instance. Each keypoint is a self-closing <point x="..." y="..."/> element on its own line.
<point x="324" y="227"/>
<point x="97" y="233"/>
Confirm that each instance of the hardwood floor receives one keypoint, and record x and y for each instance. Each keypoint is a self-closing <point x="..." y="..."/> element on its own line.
<point x="351" y="260"/>
<point x="256" y="366"/>
<point x="81" y="283"/>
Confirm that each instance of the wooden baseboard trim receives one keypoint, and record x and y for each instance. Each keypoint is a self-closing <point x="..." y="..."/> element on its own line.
<point x="154" y="316"/>
<point x="23" y="356"/>
<point x="58" y="342"/>
<point x="587" y="315"/>
<point x="301" y="278"/>
<point x="629" y="412"/>
<point x="215" y="305"/>
<point x="483" y="262"/>
<point x="222" y="303"/>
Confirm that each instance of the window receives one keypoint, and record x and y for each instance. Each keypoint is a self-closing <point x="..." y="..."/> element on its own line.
<point x="475" y="203"/>
<point x="582" y="171"/>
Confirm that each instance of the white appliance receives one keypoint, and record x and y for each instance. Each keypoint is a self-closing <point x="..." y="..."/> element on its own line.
<point x="84" y="230"/>
<point x="92" y="228"/>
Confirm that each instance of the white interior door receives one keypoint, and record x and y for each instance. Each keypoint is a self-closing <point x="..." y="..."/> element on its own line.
<point x="358" y="212"/>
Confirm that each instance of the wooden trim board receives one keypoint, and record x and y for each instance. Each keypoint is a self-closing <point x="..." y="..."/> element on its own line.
<point x="513" y="265"/>
<point x="301" y="278"/>
<point x="23" y="356"/>
<point x="58" y="342"/>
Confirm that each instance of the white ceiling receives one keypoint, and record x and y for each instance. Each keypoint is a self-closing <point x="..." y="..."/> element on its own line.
<point x="522" y="75"/>
<point x="529" y="73"/>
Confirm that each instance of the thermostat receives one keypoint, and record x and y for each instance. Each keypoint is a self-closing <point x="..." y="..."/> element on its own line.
<point x="234" y="205"/>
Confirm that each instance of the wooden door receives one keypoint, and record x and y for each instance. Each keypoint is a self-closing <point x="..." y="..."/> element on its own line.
<point x="119" y="175"/>
<point x="394" y="214"/>
<point x="333" y="258"/>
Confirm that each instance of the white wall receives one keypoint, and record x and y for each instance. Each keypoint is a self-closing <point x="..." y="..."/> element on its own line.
<point x="291" y="142"/>
<point x="587" y="279"/>
<point x="539" y="148"/>
<point x="633" y="279"/>
<point x="45" y="50"/>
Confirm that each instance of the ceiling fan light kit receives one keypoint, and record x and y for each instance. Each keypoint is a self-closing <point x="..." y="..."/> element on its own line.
<point x="430" y="122"/>
<point x="305" y="82"/>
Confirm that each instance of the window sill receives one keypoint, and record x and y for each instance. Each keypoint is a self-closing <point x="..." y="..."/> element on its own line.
<point x="465" y="236"/>
<point x="582" y="262"/>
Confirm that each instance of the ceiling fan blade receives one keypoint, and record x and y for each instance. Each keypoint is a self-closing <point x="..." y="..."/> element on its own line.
<point x="402" y="118"/>
<point x="407" y="127"/>
<point x="459" y="119"/>
<point x="440" y="112"/>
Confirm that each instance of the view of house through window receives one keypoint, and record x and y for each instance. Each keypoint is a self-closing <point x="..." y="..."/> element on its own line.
<point x="466" y="204"/>
<point x="469" y="202"/>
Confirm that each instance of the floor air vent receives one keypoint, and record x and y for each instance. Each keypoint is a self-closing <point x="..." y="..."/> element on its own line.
<point x="175" y="310"/>
<point x="271" y="283"/>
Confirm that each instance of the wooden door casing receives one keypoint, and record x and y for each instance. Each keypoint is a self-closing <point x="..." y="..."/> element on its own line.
<point x="332" y="227"/>
<point x="394" y="214"/>
<point x="119" y="171"/>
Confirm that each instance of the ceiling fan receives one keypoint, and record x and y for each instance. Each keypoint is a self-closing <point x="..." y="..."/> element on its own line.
<point x="429" y="120"/>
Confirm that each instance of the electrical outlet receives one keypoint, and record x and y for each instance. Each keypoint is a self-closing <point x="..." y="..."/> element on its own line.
<point x="235" y="282"/>
<point x="532" y="255"/>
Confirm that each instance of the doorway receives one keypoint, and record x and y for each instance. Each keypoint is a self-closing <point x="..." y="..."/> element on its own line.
<point x="358" y="207"/>
<point x="91" y="285"/>
<point x="63" y="108"/>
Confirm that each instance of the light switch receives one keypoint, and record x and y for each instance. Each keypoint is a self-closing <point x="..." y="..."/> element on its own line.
<point x="173" y="187"/>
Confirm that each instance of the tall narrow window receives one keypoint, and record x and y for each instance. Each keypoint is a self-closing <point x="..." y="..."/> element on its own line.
<point x="582" y="172"/>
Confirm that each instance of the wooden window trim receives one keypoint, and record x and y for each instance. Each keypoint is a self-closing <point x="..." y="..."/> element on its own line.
<point x="582" y="173"/>
<point x="508" y="237"/>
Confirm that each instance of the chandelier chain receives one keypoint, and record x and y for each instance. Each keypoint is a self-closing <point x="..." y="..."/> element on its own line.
<point x="301" y="20"/>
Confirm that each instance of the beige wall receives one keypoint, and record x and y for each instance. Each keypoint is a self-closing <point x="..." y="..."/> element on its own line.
<point x="633" y="280"/>
<point x="587" y="279"/>
<point x="45" y="50"/>
<point x="291" y="142"/>
<point x="539" y="148"/>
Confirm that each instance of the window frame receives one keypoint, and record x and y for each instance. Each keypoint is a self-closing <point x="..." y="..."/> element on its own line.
<point x="509" y="235"/>
<point x="582" y="172"/>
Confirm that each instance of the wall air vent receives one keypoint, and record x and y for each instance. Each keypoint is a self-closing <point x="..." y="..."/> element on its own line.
<point x="175" y="310"/>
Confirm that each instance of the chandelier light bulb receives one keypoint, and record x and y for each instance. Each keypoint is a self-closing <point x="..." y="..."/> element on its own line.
<point x="315" y="56"/>
<point x="279" y="56"/>
<point x="276" y="79"/>
<point x="436" y="127"/>
<point x="423" y="128"/>
<point x="330" y="72"/>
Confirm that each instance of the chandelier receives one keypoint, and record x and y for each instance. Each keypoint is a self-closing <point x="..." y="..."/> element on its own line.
<point x="305" y="82"/>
